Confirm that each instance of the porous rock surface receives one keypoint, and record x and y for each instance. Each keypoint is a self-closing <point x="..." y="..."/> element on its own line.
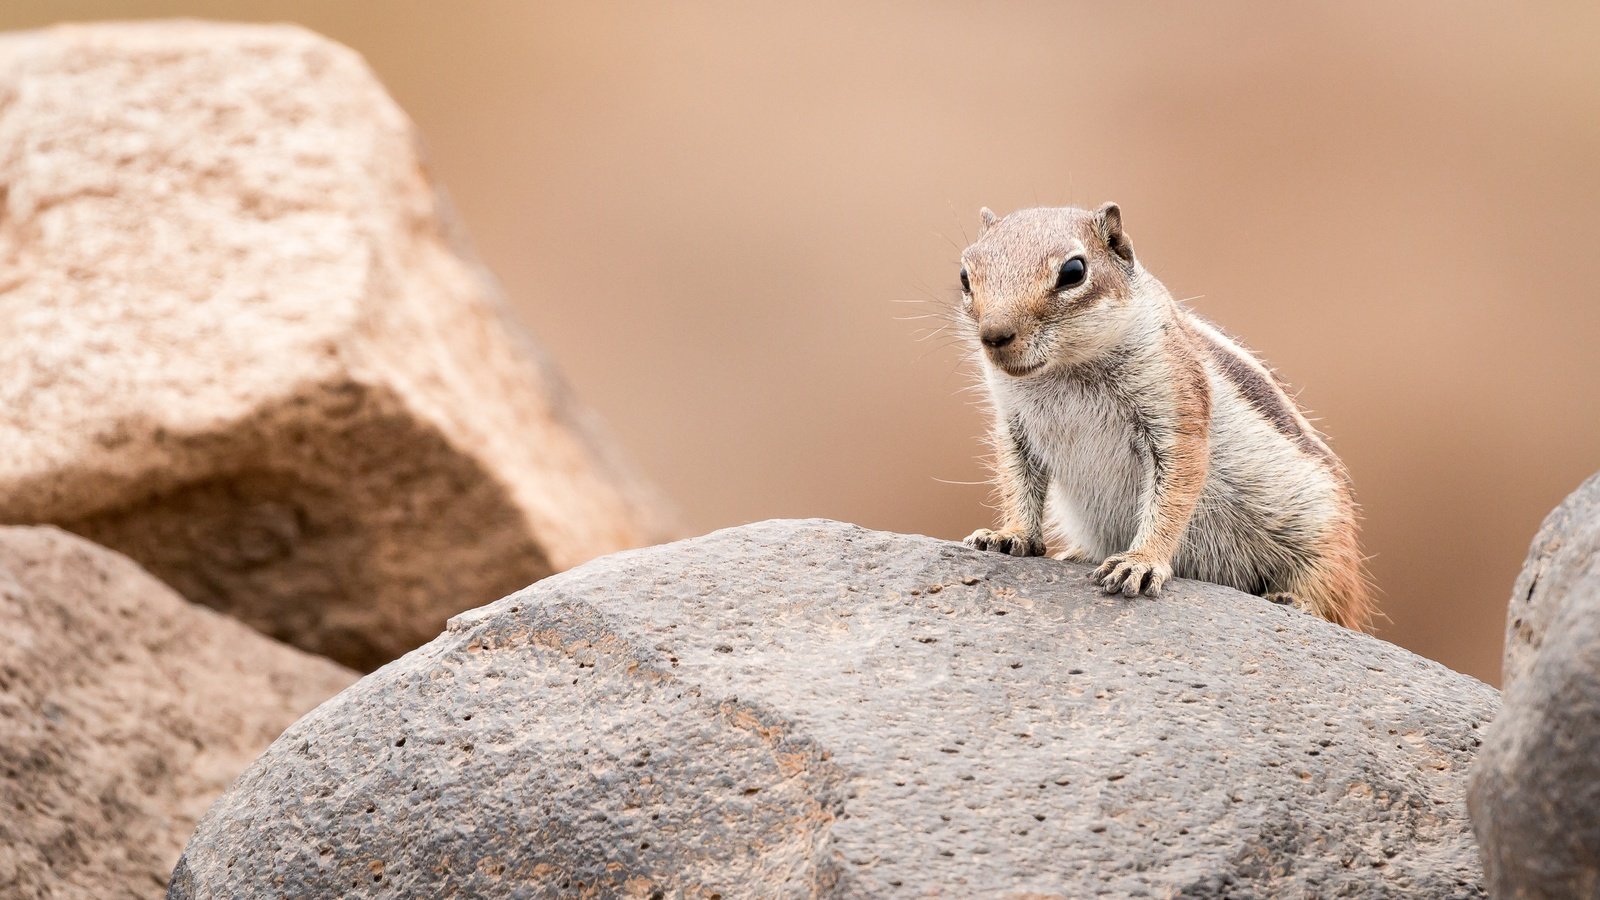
<point x="246" y="345"/>
<point x="1535" y="788"/>
<point x="124" y="711"/>
<point x="808" y="708"/>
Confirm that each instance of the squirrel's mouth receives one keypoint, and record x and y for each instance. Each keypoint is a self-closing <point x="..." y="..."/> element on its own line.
<point x="1020" y="371"/>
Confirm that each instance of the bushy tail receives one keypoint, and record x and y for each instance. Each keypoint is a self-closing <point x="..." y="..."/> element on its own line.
<point x="1336" y="586"/>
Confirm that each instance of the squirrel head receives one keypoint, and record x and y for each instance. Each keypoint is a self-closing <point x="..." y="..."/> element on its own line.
<point x="1048" y="287"/>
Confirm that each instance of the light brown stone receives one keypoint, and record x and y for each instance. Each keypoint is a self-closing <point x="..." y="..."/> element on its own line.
<point x="124" y="711"/>
<point x="246" y="345"/>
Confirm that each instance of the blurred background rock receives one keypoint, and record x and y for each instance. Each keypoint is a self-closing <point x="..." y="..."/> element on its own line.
<point x="707" y="212"/>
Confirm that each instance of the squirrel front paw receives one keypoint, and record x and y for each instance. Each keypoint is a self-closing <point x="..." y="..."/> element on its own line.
<point x="1016" y="543"/>
<point x="1132" y="574"/>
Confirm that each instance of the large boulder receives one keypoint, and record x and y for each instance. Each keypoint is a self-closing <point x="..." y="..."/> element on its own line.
<point x="810" y="708"/>
<point x="246" y="345"/>
<point x="1535" y="791"/>
<point x="124" y="711"/>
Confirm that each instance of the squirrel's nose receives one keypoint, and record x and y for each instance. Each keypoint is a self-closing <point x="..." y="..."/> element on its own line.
<point x="997" y="336"/>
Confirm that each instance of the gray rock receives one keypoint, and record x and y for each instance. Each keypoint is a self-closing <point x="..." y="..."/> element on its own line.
<point x="1535" y="789"/>
<point x="810" y="708"/>
<point x="1561" y="566"/>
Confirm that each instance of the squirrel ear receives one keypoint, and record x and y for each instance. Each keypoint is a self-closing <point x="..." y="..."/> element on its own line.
<point x="986" y="220"/>
<point x="1108" y="221"/>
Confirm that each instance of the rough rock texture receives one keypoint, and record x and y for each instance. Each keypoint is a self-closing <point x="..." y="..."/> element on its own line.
<point x="1535" y="788"/>
<point x="809" y="708"/>
<point x="124" y="711"/>
<point x="1558" y="576"/>
<point x="245" y="345"/>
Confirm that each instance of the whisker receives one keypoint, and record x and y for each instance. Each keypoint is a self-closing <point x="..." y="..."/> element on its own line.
<point x="956" y="216"/>
<point x="932" y="350"/>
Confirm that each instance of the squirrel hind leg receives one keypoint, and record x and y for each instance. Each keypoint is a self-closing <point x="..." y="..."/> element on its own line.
<point x="1284" y="598"/>
<point x="1339" y="594"/>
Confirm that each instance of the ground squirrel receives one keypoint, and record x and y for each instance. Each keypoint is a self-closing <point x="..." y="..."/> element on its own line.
<point x="1157" y="445"/>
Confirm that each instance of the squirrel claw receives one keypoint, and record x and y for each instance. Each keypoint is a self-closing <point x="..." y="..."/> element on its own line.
<point x="1131" y="575"/>
<point x="1016" y="543"/>
<point x="1286" y="599"/>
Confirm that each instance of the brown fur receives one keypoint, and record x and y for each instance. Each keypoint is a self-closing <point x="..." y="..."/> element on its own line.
<point x="1178" y="488"/>
<point x="1335" y="586"/>
<point x="1261" y="387"/>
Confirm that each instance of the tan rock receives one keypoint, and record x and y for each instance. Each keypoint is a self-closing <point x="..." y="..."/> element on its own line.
<point x="124" y="711"/>
<point x="246" y="345"/>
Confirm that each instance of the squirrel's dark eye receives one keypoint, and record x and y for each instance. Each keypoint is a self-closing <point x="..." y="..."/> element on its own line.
<point x="966" y="284"/>
<point x="1072" y="272"/>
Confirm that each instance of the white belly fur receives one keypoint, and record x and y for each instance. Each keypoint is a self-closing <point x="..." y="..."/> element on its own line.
<point x="1086" y="444"/>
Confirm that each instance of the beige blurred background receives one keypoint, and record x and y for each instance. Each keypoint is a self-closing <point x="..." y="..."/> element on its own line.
<point x="709" y="212"/>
